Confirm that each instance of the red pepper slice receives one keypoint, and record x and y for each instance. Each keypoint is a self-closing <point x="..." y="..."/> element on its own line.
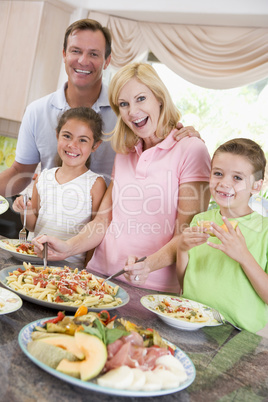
<point x="105" y="317"/>
<point x="60" y="317"/>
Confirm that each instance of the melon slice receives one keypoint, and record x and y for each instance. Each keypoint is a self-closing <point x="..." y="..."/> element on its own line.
<point x="66" y="342"/>
<point x="49" y="354"/>
<point x="95" y="353"/>
<point x="69" y="367"/>
<point x="207" y="225"/>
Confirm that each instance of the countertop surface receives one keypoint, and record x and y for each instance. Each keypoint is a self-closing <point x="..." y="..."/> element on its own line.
<point x="230" y="365"/>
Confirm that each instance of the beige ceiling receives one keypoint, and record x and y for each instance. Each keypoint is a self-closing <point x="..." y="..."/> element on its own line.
<point x="206" y="12"/>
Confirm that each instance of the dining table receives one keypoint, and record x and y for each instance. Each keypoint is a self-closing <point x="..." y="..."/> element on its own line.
<point x="229" y="365"/>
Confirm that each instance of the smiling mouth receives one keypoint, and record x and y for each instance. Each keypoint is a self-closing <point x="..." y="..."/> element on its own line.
<point x="227" y="195"/>
<point x="141" y="122"/>
<point x="77" y="70"/>
<point x="71" y="154"/>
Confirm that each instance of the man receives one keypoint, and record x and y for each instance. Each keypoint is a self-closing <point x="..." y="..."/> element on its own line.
<point x="86" y="53"/>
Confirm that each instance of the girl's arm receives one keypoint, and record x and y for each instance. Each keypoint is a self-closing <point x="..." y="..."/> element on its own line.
<point x="193" y="198"/>
<point x="33" y="206"/>
<point x="234" y="245"/>
<point x="88" y="238"/>
<point x="97" y="193"/>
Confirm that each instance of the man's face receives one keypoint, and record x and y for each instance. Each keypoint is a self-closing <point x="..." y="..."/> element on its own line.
<point x="85" y="58"/>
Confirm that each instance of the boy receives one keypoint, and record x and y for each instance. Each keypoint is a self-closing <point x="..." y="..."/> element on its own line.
<point x="229" y="271"/>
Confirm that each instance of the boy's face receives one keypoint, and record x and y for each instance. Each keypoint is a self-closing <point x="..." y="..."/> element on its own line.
<point x="232" y="183"/>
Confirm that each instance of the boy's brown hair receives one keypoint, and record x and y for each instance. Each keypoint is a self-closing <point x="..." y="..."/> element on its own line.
<point x="250" y="150"/>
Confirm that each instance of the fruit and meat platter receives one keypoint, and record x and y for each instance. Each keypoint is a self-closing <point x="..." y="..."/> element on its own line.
<point x="112" y="352"/>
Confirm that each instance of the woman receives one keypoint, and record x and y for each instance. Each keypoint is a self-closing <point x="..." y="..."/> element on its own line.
<point x="158" y="185"/>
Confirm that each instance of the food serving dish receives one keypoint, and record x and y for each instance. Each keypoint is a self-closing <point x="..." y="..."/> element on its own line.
<point x="25" y="337"/>
<point x="19" y="256"/>
<point x="4" y="205"/>
<point x="150" y="302"/>
<point x="122" y="294"/>
<point x="9" y="301"/>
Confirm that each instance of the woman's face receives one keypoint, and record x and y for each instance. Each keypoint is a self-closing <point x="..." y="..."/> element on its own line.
<point x="139" y="110"/>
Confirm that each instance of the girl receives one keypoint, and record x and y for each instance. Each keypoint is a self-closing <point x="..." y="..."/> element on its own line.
<point x="66" y="198"/>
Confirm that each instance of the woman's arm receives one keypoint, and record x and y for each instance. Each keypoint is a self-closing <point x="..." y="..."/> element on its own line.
<point x="88" y="238"/>
<point x="193" y="198"/>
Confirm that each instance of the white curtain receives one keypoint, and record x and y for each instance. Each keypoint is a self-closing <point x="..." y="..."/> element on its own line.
<point x="209" y="56"/>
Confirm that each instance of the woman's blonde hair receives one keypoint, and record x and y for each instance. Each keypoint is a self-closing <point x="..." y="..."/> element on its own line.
<point x="123" y="138"/>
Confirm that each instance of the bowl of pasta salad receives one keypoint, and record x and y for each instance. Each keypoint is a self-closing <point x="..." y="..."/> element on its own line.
<point x="179" y="312"/>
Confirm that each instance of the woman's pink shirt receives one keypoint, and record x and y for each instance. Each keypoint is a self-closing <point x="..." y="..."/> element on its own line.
<point x="145" y="200"/>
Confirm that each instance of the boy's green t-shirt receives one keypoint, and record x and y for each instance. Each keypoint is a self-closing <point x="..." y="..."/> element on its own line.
<point x="214" y="279"/>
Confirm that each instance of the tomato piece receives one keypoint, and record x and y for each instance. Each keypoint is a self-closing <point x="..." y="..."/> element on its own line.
<point x="59" y="299"/>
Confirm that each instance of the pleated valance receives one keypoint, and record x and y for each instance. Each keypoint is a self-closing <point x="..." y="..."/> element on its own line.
<point x="216" y="57"/>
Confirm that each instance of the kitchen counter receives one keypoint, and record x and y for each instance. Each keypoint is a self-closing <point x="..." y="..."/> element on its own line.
<point x="230" y="365"/>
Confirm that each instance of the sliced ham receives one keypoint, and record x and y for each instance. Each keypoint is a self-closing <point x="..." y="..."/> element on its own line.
<point x="129" y="351"/>
<point x="113" y="348"/>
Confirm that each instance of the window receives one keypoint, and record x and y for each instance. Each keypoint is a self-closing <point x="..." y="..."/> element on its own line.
<point x="220" y="115"/>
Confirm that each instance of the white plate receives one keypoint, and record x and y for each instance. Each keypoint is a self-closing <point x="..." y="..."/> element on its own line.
<point x="151" y="301"/>
<point x="11" y="301"/>
<point x="58" y="306"/>
<point x="25" y="338"/>
<point x="20" y="256"/>
<point x="4" y="205"/>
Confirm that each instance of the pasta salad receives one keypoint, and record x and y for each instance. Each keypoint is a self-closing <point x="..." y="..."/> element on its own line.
<point x="67" y="286"/>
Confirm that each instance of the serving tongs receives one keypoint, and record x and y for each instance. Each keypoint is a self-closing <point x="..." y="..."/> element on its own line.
<point x="45" y="255"/>
<point x="122" y="271"/>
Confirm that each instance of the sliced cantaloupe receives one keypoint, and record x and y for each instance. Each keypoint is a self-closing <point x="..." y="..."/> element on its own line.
<point x="49" y="354"/>
<point x="95" y="353"/>
<point x="70" y="368"/>
<point x="233" y="223"/>
<point x="66" y="342"/>
<point x="207" y="225"/>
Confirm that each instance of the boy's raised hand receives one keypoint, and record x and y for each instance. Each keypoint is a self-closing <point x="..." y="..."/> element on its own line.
<point x="191" y="237"/>
<point x="233" y="242"/>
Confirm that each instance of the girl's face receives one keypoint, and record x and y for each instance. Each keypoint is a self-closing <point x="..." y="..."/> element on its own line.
<point x="232" y="183"/>
<point x="75" y="143"/>
<point x="140" y="110"/>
